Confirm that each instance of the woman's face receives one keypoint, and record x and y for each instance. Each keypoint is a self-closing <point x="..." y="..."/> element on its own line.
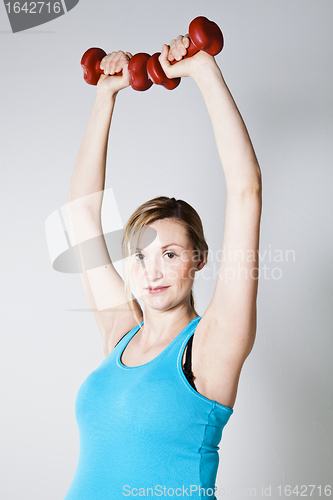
<point x="169" y="262"/>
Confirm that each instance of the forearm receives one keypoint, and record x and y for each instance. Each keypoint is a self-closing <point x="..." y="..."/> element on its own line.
<point x="234" y="145"/>
<point x="89" y="170"/>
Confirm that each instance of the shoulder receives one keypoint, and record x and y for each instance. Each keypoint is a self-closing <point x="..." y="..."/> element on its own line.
<point x="217" y="360"/>
<point x="118" y="332"/>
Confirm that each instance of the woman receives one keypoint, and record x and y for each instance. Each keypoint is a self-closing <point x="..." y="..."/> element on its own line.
<point x="150" y="426"/>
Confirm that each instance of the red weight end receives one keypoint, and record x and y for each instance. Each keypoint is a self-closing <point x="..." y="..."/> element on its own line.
<point x="157" y="75"/>
<point x="206" y="35"/>
<point x="154" y="69"/>
<point x="171" y="83"/>
<point x="137" y="68"/>
<point x="90" y="63"/>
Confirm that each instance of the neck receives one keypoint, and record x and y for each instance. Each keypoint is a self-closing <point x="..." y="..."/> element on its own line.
<point x="164" y="326"/>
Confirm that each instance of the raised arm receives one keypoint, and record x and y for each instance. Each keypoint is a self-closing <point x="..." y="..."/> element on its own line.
<point x="226" y="333"/>
<point x="236" y="152"/>
<point x="104" y="287"/>
<point x="89" y="171"/>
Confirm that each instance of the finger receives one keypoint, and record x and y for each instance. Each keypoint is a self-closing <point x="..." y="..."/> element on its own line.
<point x="114" y="62"/>
<point x="181" y="49"/>
<point x="163" y="57"/>
<point x="177" y="54"/>
<point x="112" y="67"/>
<point x="106" y="62"/>
<point x="125" y="70"/>
<point x="177" y="48"/>
<point x="180" y="44"/>
<point x="120" y="61"/>
<point x="165" y="52"/>
<point x="186" y="41"/>
<point x="170" y="56"/>
<point x="121" y="55"/>
<point x="111" y="62"/>
<point x="171" y="47"/>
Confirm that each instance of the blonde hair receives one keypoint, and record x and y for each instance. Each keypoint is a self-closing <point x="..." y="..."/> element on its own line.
<point x="161" y="207"/>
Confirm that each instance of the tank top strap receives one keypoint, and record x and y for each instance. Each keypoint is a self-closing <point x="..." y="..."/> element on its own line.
<point x="128" y="335"/>
<point x="179" y="342"/>
<point x="168" y="356"/>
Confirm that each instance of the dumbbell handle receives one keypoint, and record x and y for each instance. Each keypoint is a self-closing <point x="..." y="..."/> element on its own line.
<point x="204" y="35"/>
<point x="137" y="68"/>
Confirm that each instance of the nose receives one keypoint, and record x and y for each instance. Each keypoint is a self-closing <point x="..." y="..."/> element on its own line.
<point x="153" y="269"/>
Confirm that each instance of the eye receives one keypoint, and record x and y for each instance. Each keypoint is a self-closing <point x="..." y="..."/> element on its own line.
<point x="137" y="254"/>
<point x="171" y="253"/>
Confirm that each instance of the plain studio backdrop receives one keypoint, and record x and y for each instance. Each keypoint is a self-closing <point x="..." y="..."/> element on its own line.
<point x="277" y="62"/>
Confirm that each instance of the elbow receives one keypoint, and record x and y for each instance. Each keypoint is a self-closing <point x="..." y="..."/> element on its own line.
<point x="258" y="181"/>
<point x="250" y="182"/>
<point x="250" y="190"/>
<point x="255" y="185"/>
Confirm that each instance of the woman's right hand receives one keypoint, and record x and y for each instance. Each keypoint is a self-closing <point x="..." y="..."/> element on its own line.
<point x="111" y="64"/>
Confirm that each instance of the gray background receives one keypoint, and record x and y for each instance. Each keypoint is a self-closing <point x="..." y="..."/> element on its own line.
<point x="277" y="61"/>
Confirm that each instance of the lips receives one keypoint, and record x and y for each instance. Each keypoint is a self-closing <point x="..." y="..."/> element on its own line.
<point x="156" y="289"/>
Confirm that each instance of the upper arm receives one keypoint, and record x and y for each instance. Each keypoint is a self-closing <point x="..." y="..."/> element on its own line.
<point x="104" y="287"/>
<point x="229" y="323"/>
<point x="226" y="333"/>
<point x="105" y="291"/>
<point x="234" y="301"/>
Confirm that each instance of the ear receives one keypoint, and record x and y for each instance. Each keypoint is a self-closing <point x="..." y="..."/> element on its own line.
<point x="201" y="264"/>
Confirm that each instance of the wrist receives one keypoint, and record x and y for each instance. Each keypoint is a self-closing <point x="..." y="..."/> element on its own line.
<point x="108" y="96"/>
<point x="206" y="74"/>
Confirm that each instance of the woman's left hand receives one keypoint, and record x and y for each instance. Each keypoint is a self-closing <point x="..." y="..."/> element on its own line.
<point x="190" y="66"/>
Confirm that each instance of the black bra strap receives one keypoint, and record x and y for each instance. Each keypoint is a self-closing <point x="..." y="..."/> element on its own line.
<point x="187" y="368"/>
<point x="188" y="363"/>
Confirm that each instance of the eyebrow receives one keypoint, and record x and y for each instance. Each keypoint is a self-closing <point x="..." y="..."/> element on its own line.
<point x="166" y="246"/>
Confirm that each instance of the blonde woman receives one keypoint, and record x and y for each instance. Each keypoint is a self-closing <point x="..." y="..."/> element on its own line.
<point x="151" y="415"/>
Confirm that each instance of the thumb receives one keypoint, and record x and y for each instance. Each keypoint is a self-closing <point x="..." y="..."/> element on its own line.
<point x="163" y="59"/>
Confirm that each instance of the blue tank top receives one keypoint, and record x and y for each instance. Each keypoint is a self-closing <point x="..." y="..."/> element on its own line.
<point x="144" y="430"/>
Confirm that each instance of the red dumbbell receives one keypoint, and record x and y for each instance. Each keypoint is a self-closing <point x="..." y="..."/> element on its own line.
<point x="137" y="68"/>
<point x="204" y="34"/>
